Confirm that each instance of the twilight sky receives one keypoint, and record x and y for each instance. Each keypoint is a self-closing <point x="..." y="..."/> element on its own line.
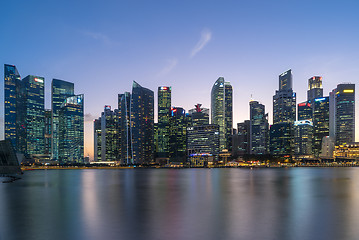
<point x="102" y="46"/>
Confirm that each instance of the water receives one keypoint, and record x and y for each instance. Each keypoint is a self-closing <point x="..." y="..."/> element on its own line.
<point x="181" y="204"/>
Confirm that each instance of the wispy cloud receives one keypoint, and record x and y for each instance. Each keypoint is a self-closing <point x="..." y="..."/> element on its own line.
<point x="206" y="36"/>
<point x="99" y="37"/>
<point x="170" y="65"/>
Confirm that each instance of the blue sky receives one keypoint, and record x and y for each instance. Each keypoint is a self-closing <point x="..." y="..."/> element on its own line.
<point x="102" y="46"/>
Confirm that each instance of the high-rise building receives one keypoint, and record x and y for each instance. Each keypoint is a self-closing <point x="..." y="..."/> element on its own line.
<point x="97" y="139"/>
<point x="332" y="95"/>
<point x="315" y="88"/>
<point x="124" y="108"/>
<point x="281" y="139"/>
<point x="284" y="101"/>
<point x="303" y="138"/>
<point x="109" y="134"/>
<point x="71" y="129"/>
<point x="198" y="115"/>
<point x="178" y="135"/>
<point x="203" y="140"/>
<point x="258" y="128"/>
<point x="11" y="82"/>
<point x="33" y="117"/>
<point x="60" y="90"/>
<point x="284" y="115"/>
<point x="142" y="124"/>
<point x="164" y="114"/>
<point x="48" y="134"/>
<point x="241" y="140"/>
<point x="320" y="123"/>
<point x="345" y="114"/>
<point x="305" y="111"/>
<point x="222" y="111"/>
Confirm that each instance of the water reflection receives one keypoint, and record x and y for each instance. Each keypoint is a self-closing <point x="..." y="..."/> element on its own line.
<point x="303" y="203"/>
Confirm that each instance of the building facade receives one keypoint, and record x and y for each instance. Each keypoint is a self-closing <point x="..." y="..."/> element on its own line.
<point x="222" y="111"/>
<point x="303" y="138"/>
<point x="258" y="128"/>
<point x="163" y="127"/>
<point x="320" y="122"/>
<point x="178" y="135"/>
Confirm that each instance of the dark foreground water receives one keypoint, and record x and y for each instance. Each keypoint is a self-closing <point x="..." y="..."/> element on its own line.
<point x="296" y="203"/>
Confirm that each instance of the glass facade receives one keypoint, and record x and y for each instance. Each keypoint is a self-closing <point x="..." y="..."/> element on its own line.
<point x="345" y="114"/>
<point x="163" y="128"/>
<point x="142" y="124"/>
<point x="258" y="128"/>
<point x="60" y="90"/>
<point x="11" y="81"/>
<point x="305" y="111"/>
<point x="97" y="139"/>
<point x="281" y="139"/>
<point x="71" y="129"/>
<point x="199" y="116"/>
<point x="48" y="134"/>
<point x="109" y="134"/>
<point x="124" y="109"/>
<point x="303" y="138"/>
<point x="315" y="88"/>
<point x="320" y="122"/>
<point x="222" y="111"/>
<point x="177" y="135"/>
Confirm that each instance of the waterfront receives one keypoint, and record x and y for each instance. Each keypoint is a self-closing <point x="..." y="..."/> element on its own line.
<point x="271" y="203"/>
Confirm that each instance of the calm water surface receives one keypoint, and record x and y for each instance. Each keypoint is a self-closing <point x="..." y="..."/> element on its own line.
<point x="181" y="204"/>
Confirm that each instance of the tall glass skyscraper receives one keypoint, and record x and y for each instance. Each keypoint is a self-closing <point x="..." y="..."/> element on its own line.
<point x="199" y="116"/>
<point x="303" y="138"/>
<point x="110" y="140"/>
<point x="320" y="123"/>
<point x="71" y="131"/>
<point x="124" y="108"/>
<point x="177" y="135"/>
<point x="97" y="139"/>
<point x="258" y="128"/>
<point x="222" y="111"/>
<point x="305" y="111"/>
<point x="345" y="114"/>
<point x="34" y="118"/>
<point x="163" y="127"/>
<point x="60" y="90"/>
<point x="142" y="124"/>
<point x="284" y="115"/>
<point x="11" y="82"/>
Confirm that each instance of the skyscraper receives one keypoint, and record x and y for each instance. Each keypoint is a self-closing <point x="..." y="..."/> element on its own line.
<point x="97" y="139"/>
<point x="178" y="135"/>
<point x="60" y="90"/>
<point x="241" y="141"/>
<point x="124" y="108"/>
<point x="33" y="117"/>
<point x="320" y="122"/>
<point x="303" y="138"/>
<point x="258" y="128"/>
<point x="284" y="101"/>
<point x="315" y="89"/>
<point x="198" y="115"/>
<point x="305" y="111"/>
<point x="48" y="134"/>
<point x="109" y="134"/>
<point x="11" y="80"/>
<point x="71" y="129"/>
<point x="142" y="124"/>
<point x="284" y="115"/>
<point x="164" y="114"/>
<point x="222" y="111"/>
<point x="345" y="114"/>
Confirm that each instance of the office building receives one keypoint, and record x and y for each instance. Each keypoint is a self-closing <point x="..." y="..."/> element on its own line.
<point x="164" y="114"/>
<point x="48" y="132"/>
<point x="320" y="122"/>
<point x="97" y="139"/>
<point x="305" y="111"/>
<point x="222" y="112"/>
<point x="142" y="124"/>
<point x="60" y="90"/>
<point x="315" y="88"/>
<point x="241" y="140"/>
<point x="303" y="138"/>
<point x="11" y="82"/>
<point x="178" y="135"/>
<point x="281" y="139"/>
<point x="71" y="129"/>
<point x="258" y="128"/>
<point x="198" y="115"/>
<point x="124" y="108"/>
<point x="345" y="114"/>
<point x="203" y="144"/>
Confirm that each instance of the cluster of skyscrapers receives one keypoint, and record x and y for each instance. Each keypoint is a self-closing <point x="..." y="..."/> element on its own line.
<point x="128" y="134"/>
<point x="306" y="130"/>
<point x="39" y="133"/>
<point x="310" y="129"/>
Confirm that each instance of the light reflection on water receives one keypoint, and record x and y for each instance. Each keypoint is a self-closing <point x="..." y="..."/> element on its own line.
<point x="297" y="203"/>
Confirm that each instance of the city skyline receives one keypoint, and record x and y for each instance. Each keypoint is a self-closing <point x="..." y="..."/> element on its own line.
<point x="241" y="46"/>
